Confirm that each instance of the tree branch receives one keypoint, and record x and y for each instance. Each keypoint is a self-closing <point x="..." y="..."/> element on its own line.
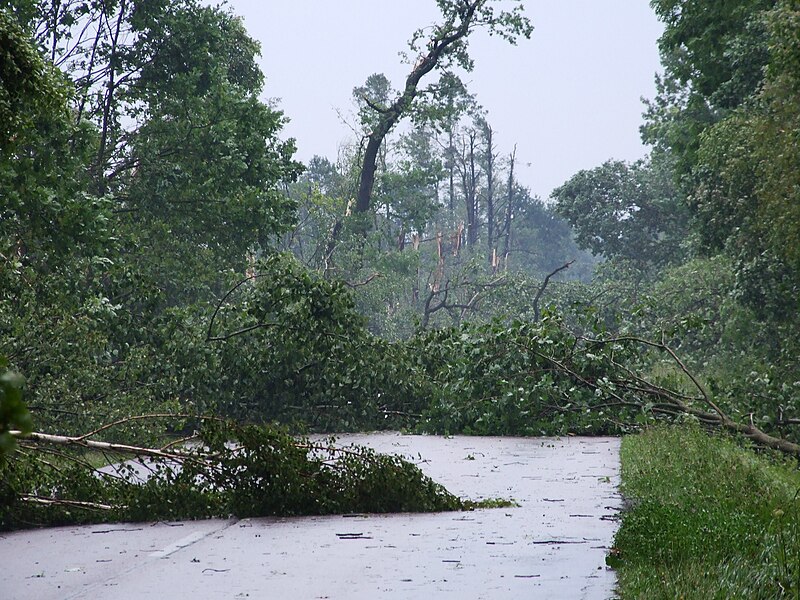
<point x="374" y="106"/>
<point x="81" y="442"/>
<point x="544" y="286"/>
<point x="359" y="284"/>
<point x="209" y="337"/>
<point x="149" y="416"/>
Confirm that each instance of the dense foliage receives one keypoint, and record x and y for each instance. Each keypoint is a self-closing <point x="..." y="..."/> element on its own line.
<point x="163" y="252"/>
<point x="131" y="201"/>
<point x="714" y="269"/>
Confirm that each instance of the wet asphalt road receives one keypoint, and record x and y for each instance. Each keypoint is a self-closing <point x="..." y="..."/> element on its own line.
<point x="552" y="546"/>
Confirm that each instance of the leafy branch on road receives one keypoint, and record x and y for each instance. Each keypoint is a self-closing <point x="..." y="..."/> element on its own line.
<point x="228" y="469"/>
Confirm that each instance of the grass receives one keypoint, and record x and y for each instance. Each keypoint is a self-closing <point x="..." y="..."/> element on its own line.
<point x="708" y="518"/>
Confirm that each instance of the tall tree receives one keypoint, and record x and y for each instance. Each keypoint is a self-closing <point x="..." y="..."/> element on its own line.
<point x="470" y="178"/>
<point x="448" y="103"/>
<point x="508" y="214"/>
<point x="489" y="161"/>
<point x="714" y="54"/>
<point x="446" y="46"/>
<point x="629" y="212"/>
<point x="745" y="180"/>
<point x="126" y="205"/>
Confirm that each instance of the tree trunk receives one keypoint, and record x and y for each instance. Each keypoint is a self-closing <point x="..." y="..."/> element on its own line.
<point x="490" y="159"/>
<point x="448" y="35"/>
<point x="468" y="176"/>
<point x="451" y="169"/>
<point x="108" y="105"/>
<point x="471" y="193"/>
<point x="509" y="209"/>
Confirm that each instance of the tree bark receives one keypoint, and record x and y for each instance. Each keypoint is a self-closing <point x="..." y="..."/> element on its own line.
<point x="451" y="169"/>
<point x="509" y="209"/>
<point x="469" y="186"/>
<point x="489" y="158"/>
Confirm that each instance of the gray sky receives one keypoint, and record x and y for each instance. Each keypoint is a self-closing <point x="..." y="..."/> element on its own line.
<point x="569" y="97"/>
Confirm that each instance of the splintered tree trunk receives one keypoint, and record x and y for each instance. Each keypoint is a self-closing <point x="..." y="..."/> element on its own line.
<point x="509" y="209"/>
<point x="490" y="222"/>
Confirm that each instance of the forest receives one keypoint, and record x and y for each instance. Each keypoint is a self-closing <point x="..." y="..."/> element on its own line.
<point x="171" y="272"/>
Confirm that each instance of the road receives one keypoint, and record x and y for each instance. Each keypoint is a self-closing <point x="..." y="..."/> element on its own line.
<point x="552" y="546"/>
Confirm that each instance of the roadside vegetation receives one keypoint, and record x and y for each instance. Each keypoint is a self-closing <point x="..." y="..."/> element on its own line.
<point x="707" y="517"/>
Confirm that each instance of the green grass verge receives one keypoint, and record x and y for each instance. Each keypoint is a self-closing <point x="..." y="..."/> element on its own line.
<point x="708" y="518"/>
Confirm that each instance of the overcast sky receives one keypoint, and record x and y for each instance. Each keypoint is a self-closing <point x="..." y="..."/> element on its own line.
<point x="569" y="98"/>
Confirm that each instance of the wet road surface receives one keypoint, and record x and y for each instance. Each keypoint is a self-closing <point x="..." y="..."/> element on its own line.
<point x="552" y="546"/>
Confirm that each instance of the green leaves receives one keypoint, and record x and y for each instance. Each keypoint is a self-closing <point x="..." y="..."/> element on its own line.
<point x="508" y="23"/>
<point x="626" y="212"/>
<point x="28" y="85"/>
<point x="14" y="414"/>
<point x="208" y="156"/>
<point x="128" y="206"/>
<point x="744" y="185"/>
<point x="517" y="378"/>
<point x="714" y="59"/>
<point x="242" y="470"/>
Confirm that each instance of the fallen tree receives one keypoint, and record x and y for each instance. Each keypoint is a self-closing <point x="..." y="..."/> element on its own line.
<point x="542" y="378"/>
<point x="661" y="400"/>
<point x="225" y="469"/>
<point x="503" y="378"/>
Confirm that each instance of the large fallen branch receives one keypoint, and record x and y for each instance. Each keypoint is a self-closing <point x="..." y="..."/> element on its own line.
<point x="82" y="442"/>
<point x="65" y="503"/>
<point x="230" y="469"/>
<point x="636" y="390"/>
<point x="716" y="415"/>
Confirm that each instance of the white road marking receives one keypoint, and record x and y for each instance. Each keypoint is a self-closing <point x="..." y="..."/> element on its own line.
<point x="181" y="543"/>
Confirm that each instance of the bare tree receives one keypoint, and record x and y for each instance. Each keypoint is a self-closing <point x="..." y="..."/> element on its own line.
<point x="509" y="212"/>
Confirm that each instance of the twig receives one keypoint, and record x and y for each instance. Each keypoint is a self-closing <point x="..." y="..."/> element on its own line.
<point x="209" y="337"/>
